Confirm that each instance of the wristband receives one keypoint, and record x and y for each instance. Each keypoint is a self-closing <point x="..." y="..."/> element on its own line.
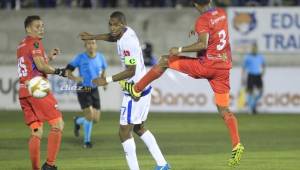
<point x="60" y="72"/>
<point x="109" y="79"/>
<point x="179" y="49"/>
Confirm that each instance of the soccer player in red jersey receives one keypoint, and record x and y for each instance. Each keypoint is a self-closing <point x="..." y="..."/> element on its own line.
<point x="213" y="62"/>
<point x="32" y="61"/>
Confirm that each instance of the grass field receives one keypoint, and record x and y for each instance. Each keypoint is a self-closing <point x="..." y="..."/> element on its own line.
<point x="189" y="142"/>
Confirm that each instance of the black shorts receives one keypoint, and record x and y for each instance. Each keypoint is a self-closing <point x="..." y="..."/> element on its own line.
<point x="89" y="98"/>
<point x="254" y="81"/>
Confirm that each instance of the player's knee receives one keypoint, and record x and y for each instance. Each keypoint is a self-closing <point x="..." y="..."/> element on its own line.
<point x="37" y="132"/>
<point x="58" y="125"/>
<point x="139" y="129"/>
<point x="223" y="110"/>
<point x="124" y="135"/>
<point x="249" y="91"/>
<point x="125" y="132"/>
<point x="164" y="60"/>
<point x="96" y="116"/>
<point x="89" y="117"/>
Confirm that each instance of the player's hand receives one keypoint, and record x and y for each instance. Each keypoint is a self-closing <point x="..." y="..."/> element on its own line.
<point x="86" y="36"/>
<point x="100" y="81"/>
<point x="192" y="33"/>
<point x="78" y="79"/>
<point x="174" y="51"/>
<point x="54" y="53"/>
<point x="61" y="72"/>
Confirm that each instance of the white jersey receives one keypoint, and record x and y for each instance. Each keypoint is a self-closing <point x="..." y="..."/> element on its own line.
<point x="129" y="46"/>
<point x="129" y="49"/>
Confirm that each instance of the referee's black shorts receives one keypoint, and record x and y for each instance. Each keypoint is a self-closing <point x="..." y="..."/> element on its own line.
<point x="254" y="81"/>
<point x="89" y="97"/>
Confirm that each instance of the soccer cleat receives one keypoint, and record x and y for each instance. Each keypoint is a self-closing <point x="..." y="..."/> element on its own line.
<point x="129" y="87"/>
<point x="237" y="152"/>
<point x="49" y="167"/>
<point x="165" y="167"/>
<point x="87" y="145"/>
<point x="76" y="127"/>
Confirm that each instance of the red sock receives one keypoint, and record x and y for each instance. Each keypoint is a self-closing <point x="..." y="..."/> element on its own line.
<point x="154" y="73"/>
<point x="34" y="151"/>
<point x="232" y="125"/>
<point x="54" y="140"/>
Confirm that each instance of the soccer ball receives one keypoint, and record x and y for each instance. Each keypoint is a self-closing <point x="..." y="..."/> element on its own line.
<point x="38" y="87"/>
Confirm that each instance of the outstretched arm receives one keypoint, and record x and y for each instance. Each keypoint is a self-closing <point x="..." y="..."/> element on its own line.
<point x="129" y="72"/>
<point x="200" y="45"/>
<point x="71" y="76"/>
<point x="46" y="68"/>
<point x="105" y="37"/>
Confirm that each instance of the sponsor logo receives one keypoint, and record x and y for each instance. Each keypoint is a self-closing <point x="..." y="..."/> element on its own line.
<point x="178" y="99"/>
<point x="36" y="45"/>
<point x="281" y="99"/>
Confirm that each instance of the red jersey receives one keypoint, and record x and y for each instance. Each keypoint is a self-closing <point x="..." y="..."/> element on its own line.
<point x="28" y="49"/>
<point x="218" y="52"/>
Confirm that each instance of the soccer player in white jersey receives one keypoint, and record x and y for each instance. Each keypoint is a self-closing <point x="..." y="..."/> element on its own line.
<point x="133" y="113"/>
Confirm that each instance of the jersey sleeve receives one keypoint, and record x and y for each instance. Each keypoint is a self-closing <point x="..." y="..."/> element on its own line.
<point x="131" y="53"/>
<point x="36" y="49"/>
<point x="75" y="62"/>
<point x="202" y="25"/>
<point x="103" y="61"/>
<point x="245" y="62"/>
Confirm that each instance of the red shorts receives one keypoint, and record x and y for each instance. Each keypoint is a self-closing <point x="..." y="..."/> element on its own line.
<point x="217" y="78"/>
<point x="40" y="110"/>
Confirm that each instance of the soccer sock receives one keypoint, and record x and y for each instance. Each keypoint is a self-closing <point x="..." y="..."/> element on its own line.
<point x="154" y="73"/>
<point x="87" y="127"/>
<point x="251" y="101"/>
<point x="34" y="151"/>
<point x="130" y="154"/>
<point x="54" y="140"/>
<point x="152" y="145"/>
<point x="231" y="123"/>
<point x="256" y="98"/>
<point x="80" y="120"/>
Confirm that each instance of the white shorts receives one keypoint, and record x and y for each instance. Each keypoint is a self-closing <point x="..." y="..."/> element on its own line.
<point x="133" y="112"/>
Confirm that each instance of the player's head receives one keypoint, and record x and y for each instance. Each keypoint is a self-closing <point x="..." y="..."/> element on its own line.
<point x="201" y="4"/>
<point x="34" y="26"/>
<point x="90" y="46"/>
<point x="117" y="23"/>
<point x="254" y="48"/>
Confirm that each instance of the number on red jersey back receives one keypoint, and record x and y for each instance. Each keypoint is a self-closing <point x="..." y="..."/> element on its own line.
<point x="218" y="52"/>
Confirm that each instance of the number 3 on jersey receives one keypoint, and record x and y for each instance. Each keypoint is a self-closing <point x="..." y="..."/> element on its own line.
<point x="222" y="36"/>
<point x="22" y="71"/>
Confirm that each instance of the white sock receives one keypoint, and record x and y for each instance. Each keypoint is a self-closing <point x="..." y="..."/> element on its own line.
<point x="151" y="143"/>
<point x="130" y="154"/>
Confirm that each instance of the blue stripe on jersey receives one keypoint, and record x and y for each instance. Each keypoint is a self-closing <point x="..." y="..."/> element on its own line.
<point x="129" y="112"/>
<point x="33" y="64"/>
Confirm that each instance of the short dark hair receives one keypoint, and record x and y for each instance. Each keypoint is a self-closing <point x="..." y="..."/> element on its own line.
<point x="30" y="19"/>
<point x="202" y="2"/>
<point x="120" y="16"/>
